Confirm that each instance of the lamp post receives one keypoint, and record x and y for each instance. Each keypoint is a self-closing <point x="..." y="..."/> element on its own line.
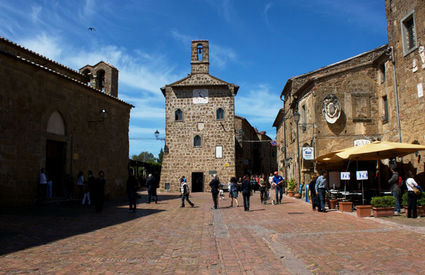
<point x="157" y="136"/>
<point x="297" y="120"/>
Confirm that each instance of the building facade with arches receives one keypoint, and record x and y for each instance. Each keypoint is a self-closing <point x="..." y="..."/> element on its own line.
<point x="60" y="119"/>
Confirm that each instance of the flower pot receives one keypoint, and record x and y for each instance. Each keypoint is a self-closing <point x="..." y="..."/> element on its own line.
<point x="421" y="211"/>
<point x="291" y="193"/>
<point x="383" y="211"/>
<point x="363" y="210"/>
<point x="345" y="206"/>
<point x="332" y="203"/>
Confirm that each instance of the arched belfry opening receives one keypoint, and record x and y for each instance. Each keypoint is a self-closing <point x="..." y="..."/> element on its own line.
<point x="200" y="49"/>
<point x="56" y="153"/>
<point x="100" y="80"/>
<point x="200" y="57"/>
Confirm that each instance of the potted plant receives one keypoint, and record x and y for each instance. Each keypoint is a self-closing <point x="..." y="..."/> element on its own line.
<point x="420" y="202"/>
<point x="292" y="183"/>
<point x="383" y="206"/>
<point x="332" y="201"/>
<point x="363" y="210"/>
<point x="345" y="206"/>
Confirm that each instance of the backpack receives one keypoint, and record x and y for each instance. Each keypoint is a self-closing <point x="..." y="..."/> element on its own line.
<point x="400" y="181"/>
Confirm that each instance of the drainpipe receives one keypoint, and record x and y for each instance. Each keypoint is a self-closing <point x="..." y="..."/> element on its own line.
<point x="391" y="53"/>
<point x="284" y="137"/>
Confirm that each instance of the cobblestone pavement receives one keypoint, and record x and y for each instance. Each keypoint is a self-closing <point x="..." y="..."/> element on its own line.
<point x="166" y="239"/>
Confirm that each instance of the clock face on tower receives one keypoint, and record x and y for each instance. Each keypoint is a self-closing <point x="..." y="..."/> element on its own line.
<point x="200" y="96"/>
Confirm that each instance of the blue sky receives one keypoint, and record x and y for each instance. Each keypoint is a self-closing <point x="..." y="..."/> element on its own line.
<point x="256" y="44"/>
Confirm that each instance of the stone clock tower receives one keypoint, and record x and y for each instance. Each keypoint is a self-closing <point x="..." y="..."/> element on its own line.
<point x="200" y="127"/>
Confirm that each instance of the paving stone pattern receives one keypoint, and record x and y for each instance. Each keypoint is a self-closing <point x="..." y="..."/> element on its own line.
<point x="166" y="239"/>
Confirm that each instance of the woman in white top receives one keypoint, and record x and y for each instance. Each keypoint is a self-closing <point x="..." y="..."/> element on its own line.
<point x="411" y="196"/>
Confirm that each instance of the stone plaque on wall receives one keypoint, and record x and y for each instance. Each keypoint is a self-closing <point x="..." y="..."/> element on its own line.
<point x="361" y="107"/>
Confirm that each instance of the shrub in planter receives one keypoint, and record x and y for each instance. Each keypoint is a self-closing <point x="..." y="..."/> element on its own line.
<point x="292" y="184"/>
<point x="420" y="202"/>
<point x="383" y="206"/>
<point x="385" y="201"/>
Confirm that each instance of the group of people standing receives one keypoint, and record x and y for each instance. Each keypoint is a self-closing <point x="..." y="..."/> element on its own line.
<point x="396" y="183"/>
<point x="318" y="188"/>
<point x="246" y="185"/>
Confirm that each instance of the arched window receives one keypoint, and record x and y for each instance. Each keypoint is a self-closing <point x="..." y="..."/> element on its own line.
<point x="197" y="142"/>
<point x="200" y="52"/>
<point x="56" y="124"/>
<point x="178" y="115"/>
<point x="100" y="80"/>
<point x="87" y="74"/>
<point x="220" y="114"/>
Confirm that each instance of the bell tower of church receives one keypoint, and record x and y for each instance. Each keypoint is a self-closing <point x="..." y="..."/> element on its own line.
<point x="200" y="57"/>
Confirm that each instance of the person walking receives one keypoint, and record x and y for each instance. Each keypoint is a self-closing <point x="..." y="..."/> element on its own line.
<point x="246" y="192"/>
<point x="215" y="185"/>
<point x="91" y="183"/>
<point x="184" y="189"/>
<point x="80" y="184"/>
<point x="150" y="182"/>
<point x="321" y="187"/>
<point x="412" y="211"/>
<point x="233" y="191"/>
<point x="395" y="190"/>
<point x="313" y="195"/>
<point x="42" y="186"/>
<point x="86" y="196"/>
<point x="262" y="184"/>
<point x="100" y="191"/>
<point x="132" y="192"/>
<point x="278" y="184"/>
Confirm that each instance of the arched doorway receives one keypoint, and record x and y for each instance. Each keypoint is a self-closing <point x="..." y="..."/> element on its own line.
<point x="56" y="153"/>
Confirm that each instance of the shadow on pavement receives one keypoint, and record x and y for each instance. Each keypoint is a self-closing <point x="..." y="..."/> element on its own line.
<point x="22" y="228"/>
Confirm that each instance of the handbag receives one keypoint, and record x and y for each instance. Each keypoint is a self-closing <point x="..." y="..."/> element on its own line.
<point x="416" y="190"/>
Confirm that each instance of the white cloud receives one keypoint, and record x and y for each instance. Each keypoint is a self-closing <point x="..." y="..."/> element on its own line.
<point x="44" y="44"/>
<point x="258" y="105"/>
<point x="35" y="13"/>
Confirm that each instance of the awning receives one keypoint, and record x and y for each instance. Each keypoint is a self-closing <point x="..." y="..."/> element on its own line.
<point x="373" y="151"/>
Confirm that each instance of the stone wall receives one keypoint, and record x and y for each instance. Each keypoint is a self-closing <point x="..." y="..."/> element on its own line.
<point x="181" y="157"/>
<point x="29" y="95"/>
<point x="354" y="82"/>
<point x="410" y="72"/>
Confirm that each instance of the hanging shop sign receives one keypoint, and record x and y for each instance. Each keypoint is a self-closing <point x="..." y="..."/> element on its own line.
<point x="361" y="142"/>
<point x="308" y="153"/>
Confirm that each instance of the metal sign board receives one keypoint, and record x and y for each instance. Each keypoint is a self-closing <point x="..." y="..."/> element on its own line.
<point x="308" y="153"/>
<point x="212" y="172"/>
<point x="345" y="175"/>
<point x="361" y="142"/>
<point x="361" y="175"/>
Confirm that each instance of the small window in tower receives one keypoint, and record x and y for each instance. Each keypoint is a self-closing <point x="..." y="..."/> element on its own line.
<point x="385" y="116"/>
<point x="408" y="33"/>
<point x="197" y="142"/>
<point x="382" y="72"/>
<point x="220" y="114"/>
<point x="179" y="115"/>
<point x="87" y="75"/>
<point x="200" y="52"/>
<point x="100" y="80"/>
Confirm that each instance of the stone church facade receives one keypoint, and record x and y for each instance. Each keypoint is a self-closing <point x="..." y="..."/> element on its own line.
<point x="200" y="126"/>
<point x="60" y="119"/>
<point x="379" y="97"/>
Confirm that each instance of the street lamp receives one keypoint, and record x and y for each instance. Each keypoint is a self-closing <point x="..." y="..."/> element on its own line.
<point x="297" y="120"/>
<point x="157" y="136"/>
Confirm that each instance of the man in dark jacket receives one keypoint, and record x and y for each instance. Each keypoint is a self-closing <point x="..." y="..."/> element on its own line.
<point x="215" y="186"/>
<point x="246" y="192"/>
<point x="150" y="182"/>
<point x="131" y="192"/>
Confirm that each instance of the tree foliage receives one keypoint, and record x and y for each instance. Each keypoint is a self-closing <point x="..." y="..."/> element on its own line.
<point x="145" y="157"/>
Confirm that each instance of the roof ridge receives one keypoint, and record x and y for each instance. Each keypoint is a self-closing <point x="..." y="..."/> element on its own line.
<point x="39" y="55"/>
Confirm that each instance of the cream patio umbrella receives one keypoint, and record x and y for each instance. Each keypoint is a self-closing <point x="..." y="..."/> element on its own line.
<point x="378" y="150"/>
